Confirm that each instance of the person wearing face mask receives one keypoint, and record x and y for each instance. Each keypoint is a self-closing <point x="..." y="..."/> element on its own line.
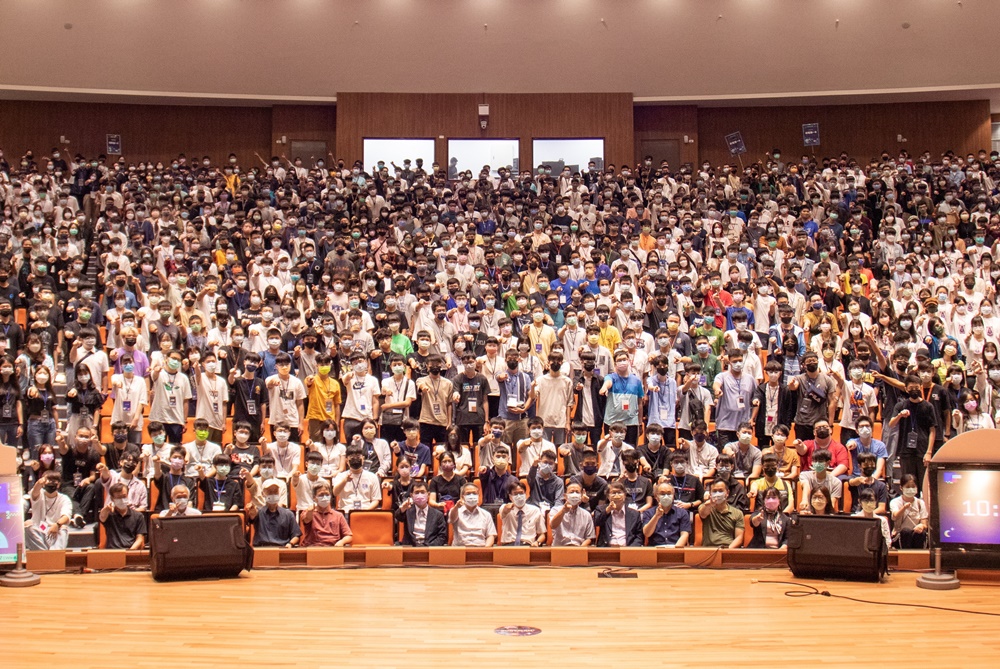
<point x="179" y="503"/>
<point x="817" y="395"/>
<point x="357" y="488"/>
<point x="572" y="522"/>
<point x="50" y="515"/>
<point x="213" y="395"/>
<point x="171" y="391"/>
<point x="124" y="526"/>
<point x="286" y="398"/>
<point x="221" y="492"/>
<point x="522" y="523"/>
<point x="625" y="393"/>
<point x="734" y="391"/>
<point x="666" y="524"/>
<point x="772" y="480"/>
<point x="304" y="485"/>
<point x="745" y="458"/>
<point x="546" y="486"/>
<point x="769" y="522"/>
<point x="723" y="523"/>
<point x="868" y="506"/>
<point x="473" y="525"/>
<point x="918" y="426"/>
<point x="323" y="524"/>
<point x="274" y="525"/>
<point x="423" y="523"/>
<point x="130" y="394"/>
<point x="858" y="400"/>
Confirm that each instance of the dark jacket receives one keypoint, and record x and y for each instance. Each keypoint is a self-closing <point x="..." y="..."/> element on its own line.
<point x="759" y="537"/>
<point x="597" y="400"/>
<point x="435" y="532"/>
<point x="633" y="527"/>
<point x="786" y="407"/>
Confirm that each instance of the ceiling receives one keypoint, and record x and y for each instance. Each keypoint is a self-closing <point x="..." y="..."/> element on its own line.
<point x="713" y="52"/>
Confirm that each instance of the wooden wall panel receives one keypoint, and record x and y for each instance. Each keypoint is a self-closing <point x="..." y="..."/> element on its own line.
<point x="149" y="132"/>
<point x="525" y="117"/>
<point x="861" y="130"/>
<point x="303" y="122"/>
<point x="668" y="122"/>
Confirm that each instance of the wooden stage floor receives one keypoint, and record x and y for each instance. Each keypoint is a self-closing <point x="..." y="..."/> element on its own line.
<point x="441" y="617"/>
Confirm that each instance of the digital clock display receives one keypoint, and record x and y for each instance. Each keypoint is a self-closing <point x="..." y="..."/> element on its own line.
<point x="969" y="506"/>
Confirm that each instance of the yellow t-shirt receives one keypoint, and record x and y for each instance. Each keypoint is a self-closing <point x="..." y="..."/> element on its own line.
<point x="324" y="398"/>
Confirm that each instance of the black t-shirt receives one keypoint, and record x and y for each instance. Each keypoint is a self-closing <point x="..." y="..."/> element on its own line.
<point x="244" y="458"/>
<point x="9" y="397"/>
<point x="75" y="462"/>
<point x="165" y="482"/>
<point x="658" y="460"/>
<point x="687" y="490"/>
<point x="228" y="491"/>
<point x="249" y="394"/>
<point x="637" y="491"/>
<point x="473" y="389"/>
<point x="918" y="424"/>
<point x="447" y="490"/>
<point x="122" y="530"/>
<point x="597" y="491"/>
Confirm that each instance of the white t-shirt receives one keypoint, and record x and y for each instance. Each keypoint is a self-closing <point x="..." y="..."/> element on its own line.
<point x="212" y="397"/>
<point x="283" y="401"/>
<point x="47" y="510"/>
<point x="130" y="396"/>
<point x="170" y="395"/>
<point x="360" y="395"/>
<point x="200" y="456"/>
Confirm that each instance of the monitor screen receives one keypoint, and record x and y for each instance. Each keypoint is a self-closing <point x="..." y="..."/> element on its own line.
<point x="969" y="506"/>
<point x="11" y="518"/>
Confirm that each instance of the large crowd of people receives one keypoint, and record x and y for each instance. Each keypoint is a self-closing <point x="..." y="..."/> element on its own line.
<point x="612" y="356"/>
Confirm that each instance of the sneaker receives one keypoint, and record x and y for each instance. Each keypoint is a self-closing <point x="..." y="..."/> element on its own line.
<point x="60" y="379"/>
<point x="78" y="522"/>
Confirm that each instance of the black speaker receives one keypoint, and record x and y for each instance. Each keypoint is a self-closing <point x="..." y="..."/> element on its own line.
<point x="844" y="547"/>
<point x="208" y="546"/>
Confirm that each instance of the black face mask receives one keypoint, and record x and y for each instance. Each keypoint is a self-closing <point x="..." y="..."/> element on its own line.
<point x="128" y="467"/>
<point x="786" y="319"/>
<point x="867" y="471"/>
<point x="121" y="437"/>
<point x="770" y="471"/>
<point x="51" y="487"/>
<point x="631" y="467"/>
<point x="355" y="463"/>
<point x="914" y="394"/>
<point x="812" y="367"/>
<point x="901" y="367"/>
<point x="511" y="365"/>
<point x="699" y="436"/>
<point x="589" y="366"/>
<point x="823" y="433"/>
<point x="662" y="371"/>
<point x="555" y="367"/>
<point x="434" y="371"/>
<point x="130" y="341"/>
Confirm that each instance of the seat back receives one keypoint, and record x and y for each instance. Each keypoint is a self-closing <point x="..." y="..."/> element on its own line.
<point x="372" y="528"/>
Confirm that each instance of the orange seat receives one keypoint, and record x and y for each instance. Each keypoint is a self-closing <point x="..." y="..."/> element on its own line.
<point x="747" y="530"/>
<point x="697" y="529"/>
<point x="372" y="528"/>
<point x="21" y="317"/>
<point x="386" y="499"/>
<point x="846" y="503"/>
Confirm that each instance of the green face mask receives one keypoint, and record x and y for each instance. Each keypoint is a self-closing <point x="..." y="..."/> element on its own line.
<point x="201" y="435"/>
<point x="159" y="439"/>
<point x="580" y="438"/>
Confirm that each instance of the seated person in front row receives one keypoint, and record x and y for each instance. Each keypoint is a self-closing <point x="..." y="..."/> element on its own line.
<point x="620" y="524"/>
<point x="180" y="503"/>
<point x="324" y="525"/>
<point x="547" y="488"/>
<point x="357" y="489"/>
<point x="50" y="514"/>
<point x="737" y="492"/>
<point x="523" y="524"/>
<point x="668" y="524"/>
<point x="769" y="522"/>
<point x="572" y="524"/>
<point x="423" y="524"/>
<point x="124" y="527"/>
<point x="723" y="524"/>
<point x="474" y="525"/>
<point x="274" y="525"/>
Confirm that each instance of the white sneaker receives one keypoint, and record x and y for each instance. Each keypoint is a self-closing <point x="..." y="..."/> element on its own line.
<point x="60" y="379"/>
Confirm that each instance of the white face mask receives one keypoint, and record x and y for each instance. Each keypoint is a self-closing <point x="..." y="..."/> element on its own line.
<point x="519" y="500"/>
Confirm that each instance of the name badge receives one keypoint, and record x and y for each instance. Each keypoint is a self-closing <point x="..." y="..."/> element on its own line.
<point x="512" y="401"/>
<point x="740" y="402"/>
<point x="329" y="406"/>
<point x="435" y="408"/>
<point x="538" y="348"/>
<point x="473" y="404"/>
<point x="251" y="407"/>
<point x="126" y="406"/>
<point x="8" y="411"/>
<point x="218" y="506"/>
<point x="215" y="407"/>
<point x="173" y="401"/>
<point x="625" y="404"/>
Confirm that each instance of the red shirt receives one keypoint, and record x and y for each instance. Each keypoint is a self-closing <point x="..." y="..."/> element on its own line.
<point x="838" y="452"/>
<point x="326" y="528"/>
<point x="721" y="300"/>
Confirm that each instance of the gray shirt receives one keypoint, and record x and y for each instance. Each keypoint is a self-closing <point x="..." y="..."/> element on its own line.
<point x="814" y="398"/>
<point x="734" y="404"/>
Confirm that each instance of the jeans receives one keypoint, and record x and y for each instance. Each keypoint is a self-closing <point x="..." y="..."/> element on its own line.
<point x="41" y="431"/>
<point x="8" y="435"/>
<point x="557" y="435"/>
<point x="36" y="540"/>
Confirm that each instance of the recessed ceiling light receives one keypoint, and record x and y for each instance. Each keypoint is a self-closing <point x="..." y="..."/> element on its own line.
<point x="68" y="26"/>
<point x="906" y="25"/>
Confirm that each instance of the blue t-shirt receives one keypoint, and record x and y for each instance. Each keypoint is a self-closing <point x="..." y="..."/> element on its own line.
<point x="623" y="400"/>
